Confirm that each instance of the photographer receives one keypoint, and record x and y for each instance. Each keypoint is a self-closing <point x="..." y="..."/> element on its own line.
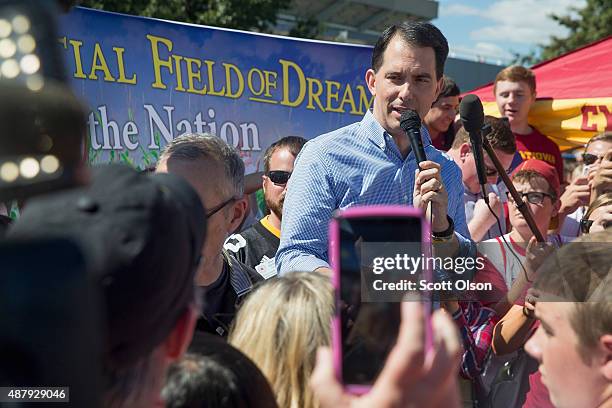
<point x="141" y="236"/>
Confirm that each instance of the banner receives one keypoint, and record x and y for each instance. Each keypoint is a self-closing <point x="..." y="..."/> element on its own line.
<point x="148" y="81"/>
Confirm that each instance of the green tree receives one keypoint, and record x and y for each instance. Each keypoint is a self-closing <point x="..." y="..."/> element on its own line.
<point x="591" y="23"/>
<point x="259" y="15"/>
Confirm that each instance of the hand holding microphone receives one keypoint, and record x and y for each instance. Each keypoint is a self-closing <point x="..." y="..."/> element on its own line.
<point x="428" y="186"/>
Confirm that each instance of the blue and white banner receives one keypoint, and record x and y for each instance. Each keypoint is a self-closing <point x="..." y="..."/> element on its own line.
<point x="148" y="81"/>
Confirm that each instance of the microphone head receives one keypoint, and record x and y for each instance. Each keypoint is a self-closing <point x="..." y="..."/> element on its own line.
<point x="471" y="113"/>
<point x="410" y="119"/>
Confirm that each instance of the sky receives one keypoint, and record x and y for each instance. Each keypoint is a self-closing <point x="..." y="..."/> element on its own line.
<point x="491" y="30"/>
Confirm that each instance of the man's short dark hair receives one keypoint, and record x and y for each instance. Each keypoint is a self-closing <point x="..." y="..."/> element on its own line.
<point x="292" y="143"/>
<point x="417" y="34"/>
<point x="449" y="88"/>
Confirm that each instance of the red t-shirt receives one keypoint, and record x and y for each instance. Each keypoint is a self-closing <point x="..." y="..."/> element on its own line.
<point x="537" y="146"/>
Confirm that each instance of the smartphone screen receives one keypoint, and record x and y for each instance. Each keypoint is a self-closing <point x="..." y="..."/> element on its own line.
<point x="370" y="324"/>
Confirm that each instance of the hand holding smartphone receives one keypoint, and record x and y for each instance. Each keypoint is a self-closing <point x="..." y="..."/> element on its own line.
<point x="375" y="253"/>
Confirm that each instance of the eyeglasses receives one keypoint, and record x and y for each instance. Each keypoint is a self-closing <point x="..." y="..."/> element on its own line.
<point x="279" y="176"/>
<point x="533" y="197"/>
<point x="585" y="225"/>
<point x="216" y="209"/>
<point x="588" y="158"/>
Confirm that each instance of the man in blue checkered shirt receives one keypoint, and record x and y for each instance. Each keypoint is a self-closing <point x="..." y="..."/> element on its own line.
<point x="370" y="162"/>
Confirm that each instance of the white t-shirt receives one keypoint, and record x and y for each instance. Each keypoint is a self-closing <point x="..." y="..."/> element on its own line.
<point x="507" y="257"/>
<point x="571" y="225"/>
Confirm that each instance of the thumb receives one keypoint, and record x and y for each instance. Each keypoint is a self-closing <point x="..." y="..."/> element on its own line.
<point x="493" y="198"/>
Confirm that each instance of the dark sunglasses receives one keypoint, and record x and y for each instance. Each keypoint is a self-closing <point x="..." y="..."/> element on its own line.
<point x="216" y="209"/>
<point x="279" y="176"/>
<point x="588" y="158"/>
<point x="533" y="197"/>
<point x="585" y="225"/>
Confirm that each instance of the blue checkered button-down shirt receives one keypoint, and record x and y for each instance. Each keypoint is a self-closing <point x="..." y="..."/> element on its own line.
<point x="359" y="164"/>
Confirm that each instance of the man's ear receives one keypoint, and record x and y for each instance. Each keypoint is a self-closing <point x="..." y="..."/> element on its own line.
<point x="370" y="78"/>
<point x="237" y="214"/>
<point x="180" y="337"/>
<point x="264" y="180"/>
<point x="605" y="344"/>
<point x="534" y="96"/>
<point x="464" y="151"/>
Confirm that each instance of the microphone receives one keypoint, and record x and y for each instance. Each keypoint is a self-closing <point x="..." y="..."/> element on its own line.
<point x="472" y="118"/>
<point x="410" y="122"/>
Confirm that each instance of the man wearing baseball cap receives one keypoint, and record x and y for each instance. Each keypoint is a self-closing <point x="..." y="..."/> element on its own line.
<point x="142" y="237"/>
<point x="538" y="184"/>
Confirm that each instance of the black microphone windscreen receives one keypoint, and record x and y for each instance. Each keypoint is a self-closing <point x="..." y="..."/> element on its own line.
<point x="410" y="119"/>
<point x="471" y="113"/>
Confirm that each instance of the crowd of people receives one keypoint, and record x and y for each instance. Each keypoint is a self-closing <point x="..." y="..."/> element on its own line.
<point x="204" y="310"/>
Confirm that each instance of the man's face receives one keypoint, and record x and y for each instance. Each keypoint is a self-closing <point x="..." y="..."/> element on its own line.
<point x="598" y="148"/>
<point x="212" y="186"/>
<point x="442" y="114"/>
<point x="274" y="194"/>
<point x="405" y="80"/>
<point x="542" y="212"/>
<point x="514" y="100"/>
<point x="571" y="381"/>
<point x="468" y="167"/>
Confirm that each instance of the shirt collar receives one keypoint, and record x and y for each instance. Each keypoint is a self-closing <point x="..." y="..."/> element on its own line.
<point x="376" y="133"/>
<point x="474" y="196"/>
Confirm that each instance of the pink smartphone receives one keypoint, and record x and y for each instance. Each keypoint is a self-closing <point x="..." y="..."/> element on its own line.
<point x="372" y="248"/>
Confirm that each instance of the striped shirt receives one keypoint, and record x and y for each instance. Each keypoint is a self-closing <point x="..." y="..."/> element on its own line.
<point x="359" y="164"/>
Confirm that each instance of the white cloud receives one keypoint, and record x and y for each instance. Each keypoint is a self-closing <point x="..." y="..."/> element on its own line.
<point x="482" y="51"/>
<point x="458" y="10"/>
<point x="492" y="50"/>
<point x="516" y="21"/>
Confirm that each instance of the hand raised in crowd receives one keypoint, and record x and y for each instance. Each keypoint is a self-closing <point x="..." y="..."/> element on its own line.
<point x="531" y="298"/>
<point x="428" y="187"/>
<point x="576" y="194"/>
<point x="602" y="219"/>
<point x="536" y="254"/>
<point x="601" y="179"/>
<point x="412" y="376"/>
<point x="483" y="219"/>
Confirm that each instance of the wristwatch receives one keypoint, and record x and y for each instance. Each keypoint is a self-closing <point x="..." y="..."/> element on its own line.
<point x="447" y="234"/>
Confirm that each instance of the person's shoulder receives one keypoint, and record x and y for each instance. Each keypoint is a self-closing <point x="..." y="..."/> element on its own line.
<point x="448" y="165"/>
<point x="242" y="276"/>
<point x="235" y="244"/>
<point x="336" y="137"/>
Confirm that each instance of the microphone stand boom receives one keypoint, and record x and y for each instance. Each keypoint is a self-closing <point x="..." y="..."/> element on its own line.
<point x="520" y="204"/>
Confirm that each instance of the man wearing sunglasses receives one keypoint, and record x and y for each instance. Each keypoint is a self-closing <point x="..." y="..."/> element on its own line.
<point x="257" y="245"/>
<point x="577" y="195"/>
<point x="481" y="222"/>
<point x="216" y="172"/>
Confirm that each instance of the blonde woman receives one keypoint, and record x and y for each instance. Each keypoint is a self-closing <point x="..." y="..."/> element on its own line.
<point x="598" y="217"/>
<point x="280" y="326"/>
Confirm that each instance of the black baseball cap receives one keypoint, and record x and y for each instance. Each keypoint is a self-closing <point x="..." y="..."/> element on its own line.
<point x="142" y="236"/>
